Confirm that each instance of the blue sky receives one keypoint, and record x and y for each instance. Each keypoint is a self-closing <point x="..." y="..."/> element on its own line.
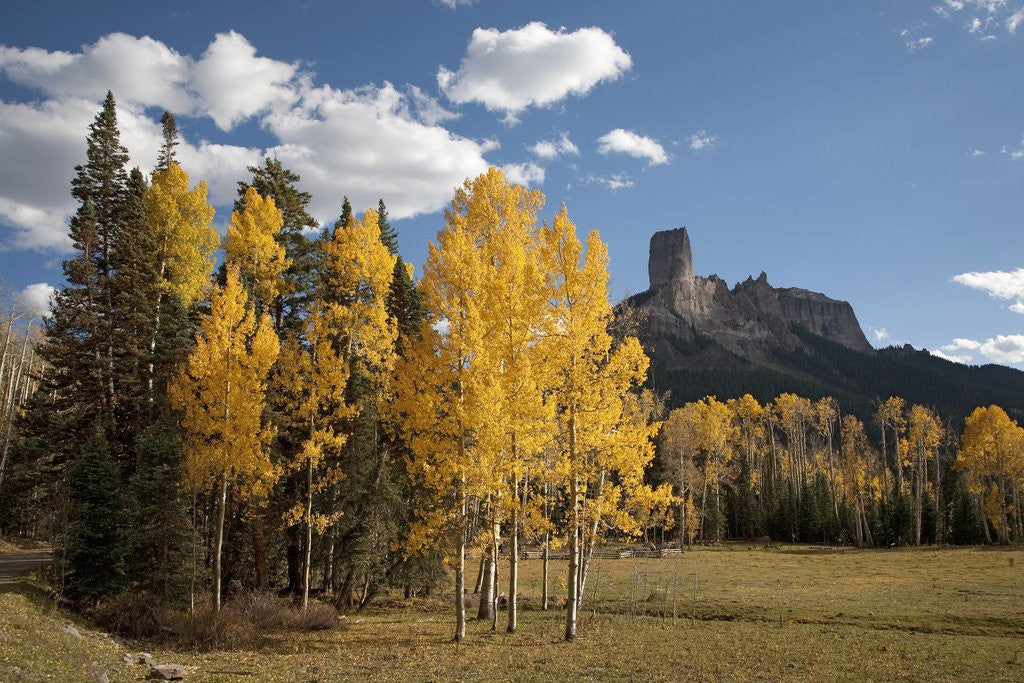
<point x="873" y="151"/>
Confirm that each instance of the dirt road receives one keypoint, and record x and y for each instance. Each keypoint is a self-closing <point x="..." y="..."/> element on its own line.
<point x="17" y="565"/>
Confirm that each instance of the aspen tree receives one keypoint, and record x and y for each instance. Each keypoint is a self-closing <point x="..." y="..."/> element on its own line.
<point x="221" y="394"/>
<point x="251" y="245"/>
<point x="446" y="396"/>
<point x="503" y="216"/>
<point x="924" y="435"/>
<point x="589" y="381"/>
<point x="310" y="383"/>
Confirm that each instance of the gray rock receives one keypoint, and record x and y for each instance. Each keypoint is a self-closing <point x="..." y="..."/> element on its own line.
<point x="751" y="321"/>
<point x="670" y="259"/>
<point x="147" y="659"/>
<point x="100" y="677"/>
<point x="167" y="672"/>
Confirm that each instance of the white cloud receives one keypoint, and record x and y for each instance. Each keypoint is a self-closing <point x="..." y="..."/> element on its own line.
<point x="367" y="143"/>
<point x="702" y="140"/>
<point x="952" y="357"/>
<point x="141" y="70"/>
<point x="509" y="71"/>
<point x="233" y="84"/>
<point x="999" y="284"/>
<point x="455" y="4"/>
<point x="1005" y="348"/>
<point x="551" y="149"/>
<point x="961" y="344"/>
<point x="1017" y="153"/>
<point x="36" y="298"/>
<point x="527" y="175"/>
<point x="975" y="153"/>
<point x="880" y="334"/>
<point x="915" y="44"/>
<point x="1015" y="20"/>
<point x="985" y="15"/>
<point x="616" y="181"/>
<point x="364" y="143"/>
<point x="428" y="109"/>
<point x="628" y="142"/>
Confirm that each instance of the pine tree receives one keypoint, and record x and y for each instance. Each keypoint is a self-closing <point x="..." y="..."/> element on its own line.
<point x="169" y="134"/>
<point x="388" y="236"/>
<point x="278" y="183"/>
<point x="136" y="288"/>
<point x="345" y="218"/>
<point x="93" y="548"/>
<point x="158" y="533"/>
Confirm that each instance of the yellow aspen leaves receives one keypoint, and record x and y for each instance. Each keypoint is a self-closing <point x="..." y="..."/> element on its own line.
<point x="185" y="239"/>
<point x="252" y="247"/>
<point x="221" y="393"/>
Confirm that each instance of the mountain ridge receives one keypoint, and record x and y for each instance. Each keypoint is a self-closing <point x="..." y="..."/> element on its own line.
<point x="704" y="338"/>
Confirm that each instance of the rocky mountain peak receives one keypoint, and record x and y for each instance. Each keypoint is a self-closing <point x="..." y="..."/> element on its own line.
<point x="671" y="259"/>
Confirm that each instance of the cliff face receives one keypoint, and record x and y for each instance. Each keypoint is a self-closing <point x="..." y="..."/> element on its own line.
<point x="682" y="312"/>
<point x="704" y="338"/>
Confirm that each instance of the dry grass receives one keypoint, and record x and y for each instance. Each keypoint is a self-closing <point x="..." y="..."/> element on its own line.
<point x="795" y="613"/>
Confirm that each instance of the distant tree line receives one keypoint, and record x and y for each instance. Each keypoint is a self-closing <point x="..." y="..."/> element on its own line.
<point x="799" y="470"/>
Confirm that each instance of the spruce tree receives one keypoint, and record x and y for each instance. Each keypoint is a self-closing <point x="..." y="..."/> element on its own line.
<point x="275" y="181"/>
<point x="387" y="234"/>
<point x="158" y="556"/>
<point x="93" y="545"/>
<point x="136" y="293"/>
<point x="168" y="143"/>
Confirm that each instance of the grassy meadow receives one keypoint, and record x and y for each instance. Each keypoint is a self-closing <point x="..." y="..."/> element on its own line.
<point x="732" y="612"/>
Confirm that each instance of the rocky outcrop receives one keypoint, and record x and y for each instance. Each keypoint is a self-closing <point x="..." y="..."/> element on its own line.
<point x="683" y="313"/>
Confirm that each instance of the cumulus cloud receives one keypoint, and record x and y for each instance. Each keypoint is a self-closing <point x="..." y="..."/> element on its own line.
<point x="1005" y="348"/>
<point x="36" y="298"/>
<point x="233" y="84"/>
<point x="952" y="357"/>
<point x="999" y="284"/>
<point x="532" y="66"/>
<point x="368" y="142"/>
<point x="628" y="142"/>
<point x="141" y="70"/>
<point x="961" y="344"/>
<point x="527" y="175"/>
<point x="365" y="142"/>
<point x="1002" y="348"/>
<point x="879" y="333"/>
<point x="455" y="4"/>
<point x="552" y="149"/>
<point x="975" y="153"/>
<point x="702" y="140"/>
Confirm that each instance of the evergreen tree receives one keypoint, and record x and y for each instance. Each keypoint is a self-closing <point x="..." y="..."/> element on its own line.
<point x="158" y="534"/>
<point x="346" y="216"/>
<point x="102" y="182"/>
<point x="277" y="182"/>
<point x="93" y="547"/>
<point x="387" y="234"/>
<point x="136" y="290"/>
<point x="168" y="143"/>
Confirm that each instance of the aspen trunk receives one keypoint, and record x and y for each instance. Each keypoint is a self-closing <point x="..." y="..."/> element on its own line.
<point x="460" y="567"/>
<point x="574" y="565"/>
<point x="513" y="564"/>
<point x="222" y="503"/>
<point x="309" y="534"/>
